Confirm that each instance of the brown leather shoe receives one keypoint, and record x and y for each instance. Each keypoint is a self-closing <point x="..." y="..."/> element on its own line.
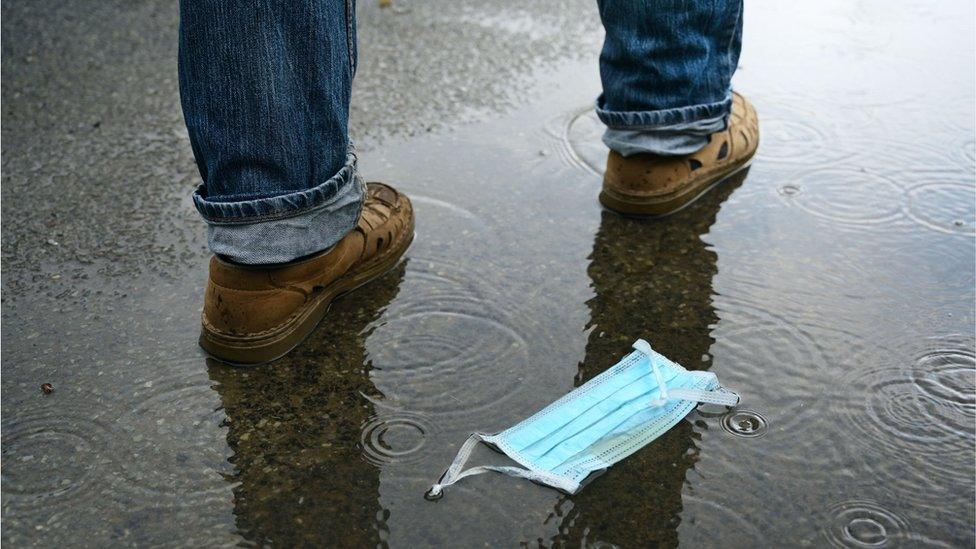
<point x="257" y="314"/>
<point x="648" y="184"/>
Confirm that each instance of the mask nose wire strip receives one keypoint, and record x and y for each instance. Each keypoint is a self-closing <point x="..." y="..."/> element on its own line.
<point x="454" y="473"/>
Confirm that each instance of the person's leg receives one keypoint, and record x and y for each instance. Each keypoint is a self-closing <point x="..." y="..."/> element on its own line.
<point x="265" y="88"/>
<point x="666" y="68"/>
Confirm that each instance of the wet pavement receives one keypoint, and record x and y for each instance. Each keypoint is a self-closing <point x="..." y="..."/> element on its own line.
<point x="833" y="287"/>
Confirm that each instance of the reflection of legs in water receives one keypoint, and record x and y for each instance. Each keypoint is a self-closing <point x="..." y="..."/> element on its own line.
<point x="652" y="279"/>
<point x="294" y="428"/>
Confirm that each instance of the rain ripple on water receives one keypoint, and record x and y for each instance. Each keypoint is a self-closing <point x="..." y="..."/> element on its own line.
<point x="395" y="437"/>
<point x="926" y="409"/>
<point x="180" y="407"/>
<point x="448" y="345"/>
<point x="947" y="207"/>
<point x="864" y="524"/>
<point x="53" y="459"/>
<point x="920" y="415"/>
<point x="845" y="194"/>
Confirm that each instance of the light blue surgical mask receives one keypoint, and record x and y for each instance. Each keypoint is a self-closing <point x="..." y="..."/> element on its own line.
<point x="598" y="424"/>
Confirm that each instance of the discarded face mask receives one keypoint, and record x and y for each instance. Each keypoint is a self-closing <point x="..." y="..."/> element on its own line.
<point x="596" y="425"/>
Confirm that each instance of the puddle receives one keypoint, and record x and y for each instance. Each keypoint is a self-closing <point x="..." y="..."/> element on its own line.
<point x="865" y="524"/>
<point x="440" y="339"/>
<point x="394" y="438"/>
<point x="790" y="190"/>
<point x="946" y="375"/>
<point x="910" y="416"/>
<point x="51" y="460"/>
<point x="944" y="207"/>
<point x="796" y="137"/>
<point x="831" y="286"/>
<point x="848" y="195"/>
<point x="580" y="138"/>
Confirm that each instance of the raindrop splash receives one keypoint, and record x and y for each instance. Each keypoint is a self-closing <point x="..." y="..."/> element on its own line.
<point x="745" y="423"/>
<point x="398" y="438"/>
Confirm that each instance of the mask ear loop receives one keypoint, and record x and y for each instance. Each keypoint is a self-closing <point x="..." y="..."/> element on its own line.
<point x="454" y="473"/>
<point x="645" y="349"/>
<point x="720" y="396"/>
<point x="451" y="474"/>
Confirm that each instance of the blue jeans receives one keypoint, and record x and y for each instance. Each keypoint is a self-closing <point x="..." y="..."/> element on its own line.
<point x="265" y="88"/>
<point x="666" y="68"/>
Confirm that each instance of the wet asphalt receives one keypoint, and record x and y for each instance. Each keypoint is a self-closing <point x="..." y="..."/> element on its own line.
<point x="832" y="286"/>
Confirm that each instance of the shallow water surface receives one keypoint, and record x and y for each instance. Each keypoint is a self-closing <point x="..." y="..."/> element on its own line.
<point x="831" y="285"/>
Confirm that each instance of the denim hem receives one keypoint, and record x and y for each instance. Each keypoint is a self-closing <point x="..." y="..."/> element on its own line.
<point x="277" y="207"/>
<point x="662" y="143"/>
<point x="277" y="241"/>
<point x="662" y="119"/>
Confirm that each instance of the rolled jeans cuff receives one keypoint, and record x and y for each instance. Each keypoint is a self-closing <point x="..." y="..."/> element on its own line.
<point x="282" y="228"/>
<point x="670" y="132"/>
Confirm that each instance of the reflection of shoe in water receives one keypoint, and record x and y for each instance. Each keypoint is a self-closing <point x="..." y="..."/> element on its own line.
<point x="648" y="184"/>
<point x="256" y="314"/>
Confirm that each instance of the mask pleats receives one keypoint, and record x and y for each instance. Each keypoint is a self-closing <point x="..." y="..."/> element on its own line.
<point x="623" y="431"/>
<point x="571" y="446"/>
<point x="541" y="425"/>
<point x="594" y="415"/>
<point x="619" y="434"/>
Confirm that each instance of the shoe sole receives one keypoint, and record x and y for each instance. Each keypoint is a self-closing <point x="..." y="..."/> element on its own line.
<point x="252" y="351"/>
<point x="668" y="204"/>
